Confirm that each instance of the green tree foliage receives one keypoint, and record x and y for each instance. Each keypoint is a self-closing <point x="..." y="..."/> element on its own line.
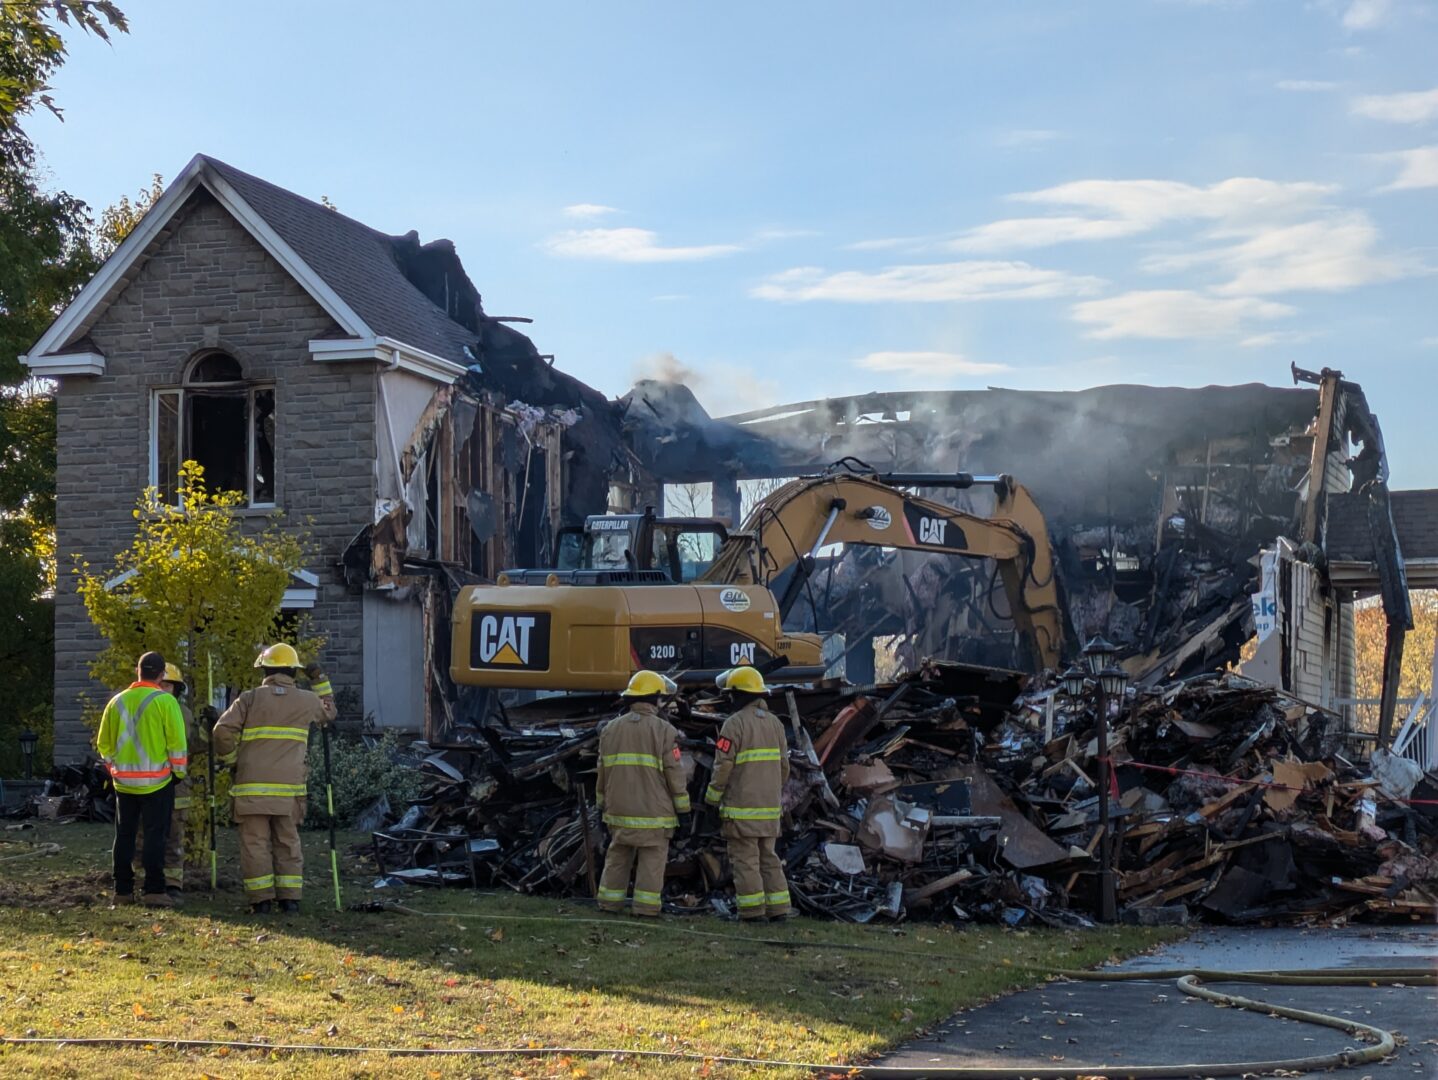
<point x="32" y="48"/>
<point x="199" y="583"/>
<point x="119" y="220"/>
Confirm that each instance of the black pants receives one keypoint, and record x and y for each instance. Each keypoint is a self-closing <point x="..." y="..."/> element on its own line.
<point x="152" y="812"/>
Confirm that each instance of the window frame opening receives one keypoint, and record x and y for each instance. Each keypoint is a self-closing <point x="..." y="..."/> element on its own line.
<point x="172" y="427"/>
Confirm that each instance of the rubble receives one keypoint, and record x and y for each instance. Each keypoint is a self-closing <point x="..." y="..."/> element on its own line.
<point x="927" y="798"/>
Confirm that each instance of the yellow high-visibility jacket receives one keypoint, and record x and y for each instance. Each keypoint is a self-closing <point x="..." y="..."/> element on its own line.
<point x="750" y="769"/>
<point x="640" y="786"/>
<point x="142" y="739"/>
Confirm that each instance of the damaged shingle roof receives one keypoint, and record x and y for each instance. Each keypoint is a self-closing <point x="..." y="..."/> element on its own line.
<point x="357" y="262"/>
<point x="1415" y="517"/>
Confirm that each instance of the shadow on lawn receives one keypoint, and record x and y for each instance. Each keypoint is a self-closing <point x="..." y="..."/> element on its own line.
<point x="568" y="947"/>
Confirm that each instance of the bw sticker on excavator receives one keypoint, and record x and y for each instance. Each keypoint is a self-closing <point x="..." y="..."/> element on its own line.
<point x="510" y="640"/>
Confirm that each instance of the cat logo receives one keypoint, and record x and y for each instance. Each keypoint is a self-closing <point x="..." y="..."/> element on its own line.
<point x="741" y="652"/>
<point x="512" y="640"/>
<point x="931" y="530"/>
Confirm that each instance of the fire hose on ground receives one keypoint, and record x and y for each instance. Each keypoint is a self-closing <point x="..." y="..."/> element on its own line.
<point x="1381" y="1042"/>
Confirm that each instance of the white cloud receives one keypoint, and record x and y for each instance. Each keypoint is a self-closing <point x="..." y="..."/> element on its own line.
<point x="1306" y="86"/>
<point x="926" y="364"/>
<point x="1118" y="208"/>
<point x="1012" y="233"/>
<point x="1414" y="107"/>
<point x="888" y="243"/>
<point x="1366" y="14"/>
<point x="1278" y="337"/>
<point x="1419" y="168"/>
<point x="1430" y="342"/>
<point x="1173" y="313"/>
<point x="926" y="283"/>
<point x="629" y="245"/>
<point x="1157" y="201"/>
<point x="1324" y="255"/>
<point x="588" y="210"/>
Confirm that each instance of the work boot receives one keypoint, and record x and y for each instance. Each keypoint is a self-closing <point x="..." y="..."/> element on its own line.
<point x="261" y="907"/>
<point x="785" y="917"/>
<point x="123" y="900"/>
<point x="159" y="899"/>
<point x="177" y="895"/>
<point x="289" y="907"/>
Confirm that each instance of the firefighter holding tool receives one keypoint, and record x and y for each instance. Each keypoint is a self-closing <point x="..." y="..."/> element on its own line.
<point x="641" y="791"/>
<point x="267" y="730"/>
<point x="195" y="737"/>
<point x="750" y="768"/>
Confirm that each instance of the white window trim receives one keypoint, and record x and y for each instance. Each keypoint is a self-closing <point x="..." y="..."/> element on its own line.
<point x="179" y="391"/>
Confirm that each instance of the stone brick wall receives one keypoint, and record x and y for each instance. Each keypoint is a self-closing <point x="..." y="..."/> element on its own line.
<point x="208" y="284"/>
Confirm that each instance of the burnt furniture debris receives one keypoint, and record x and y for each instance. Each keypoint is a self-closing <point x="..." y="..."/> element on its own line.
<point x="931" y="798"/>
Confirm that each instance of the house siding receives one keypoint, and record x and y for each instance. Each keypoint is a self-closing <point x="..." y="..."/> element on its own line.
<point x="206" y="283"/>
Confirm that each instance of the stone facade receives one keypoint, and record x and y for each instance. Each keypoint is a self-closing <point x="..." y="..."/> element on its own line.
<point x="206" y="283"/>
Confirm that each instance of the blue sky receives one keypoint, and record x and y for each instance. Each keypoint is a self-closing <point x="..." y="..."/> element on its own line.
<point x="786" y="201"/>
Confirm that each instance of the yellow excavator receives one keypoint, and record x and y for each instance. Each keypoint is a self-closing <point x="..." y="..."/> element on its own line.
<point x="683" y="597"/>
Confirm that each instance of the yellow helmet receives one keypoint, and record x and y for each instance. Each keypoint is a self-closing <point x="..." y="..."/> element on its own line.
<point x="172" y="674"/>
<point x="746" y="680"/>
<point x="279" y="655"/>
<point x="649" y="683"/>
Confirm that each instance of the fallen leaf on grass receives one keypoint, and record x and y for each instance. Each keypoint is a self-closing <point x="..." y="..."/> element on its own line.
<point x="332" y="1030"/>
<point x="337" y="996"/>
<point x="495" y="936"/>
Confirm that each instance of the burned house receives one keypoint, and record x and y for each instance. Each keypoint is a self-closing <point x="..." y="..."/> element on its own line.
<point x="1185" y="522"/>
<point x="346" y="377"/>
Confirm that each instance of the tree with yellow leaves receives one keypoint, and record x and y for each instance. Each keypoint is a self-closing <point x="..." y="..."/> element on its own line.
<point x="1416" y="674"/>
<point x="199" y="584"/>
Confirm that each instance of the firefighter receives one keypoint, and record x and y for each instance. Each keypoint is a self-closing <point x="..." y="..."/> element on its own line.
<point x="174" y="682"/>
<point x="267" y="729"/>
<point x="142" y="742"/>
<point x="641" y="791"/>
<point x="750" y="769"/>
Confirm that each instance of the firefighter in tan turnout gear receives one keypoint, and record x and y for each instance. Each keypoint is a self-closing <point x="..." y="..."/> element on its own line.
<point x="750" y="769"/>
<point x="267" y="729"/>
<point x="174" y="682"/>
<point x="641" y="791"/>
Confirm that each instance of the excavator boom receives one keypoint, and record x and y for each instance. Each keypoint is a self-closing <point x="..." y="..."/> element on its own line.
<point x="796" y="521"/>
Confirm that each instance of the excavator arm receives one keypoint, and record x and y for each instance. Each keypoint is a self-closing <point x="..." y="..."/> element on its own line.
<point x="791" y="526"/>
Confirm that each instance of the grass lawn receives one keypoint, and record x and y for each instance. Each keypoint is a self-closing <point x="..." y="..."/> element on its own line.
<point x="496" y="970"/>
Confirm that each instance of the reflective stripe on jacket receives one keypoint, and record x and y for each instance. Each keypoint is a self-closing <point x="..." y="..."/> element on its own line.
<point x="641" y="781"/>
<point x="750" y="768"/>
<point x="268" y="729"/>
<point x="142" y="739"/>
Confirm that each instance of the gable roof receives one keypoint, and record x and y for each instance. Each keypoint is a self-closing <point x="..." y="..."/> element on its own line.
<point x="351" y="270"/>
<point x="358" y="262"/>
<point x="1415" y="520"/>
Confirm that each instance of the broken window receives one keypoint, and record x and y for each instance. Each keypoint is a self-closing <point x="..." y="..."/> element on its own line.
<point x="221" y="421"/>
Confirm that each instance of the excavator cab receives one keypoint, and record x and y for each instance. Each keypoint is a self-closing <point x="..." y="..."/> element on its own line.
<point x="682" y="549"/>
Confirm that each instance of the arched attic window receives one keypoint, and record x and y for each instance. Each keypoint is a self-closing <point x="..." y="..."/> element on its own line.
<point x="221" y="420"/>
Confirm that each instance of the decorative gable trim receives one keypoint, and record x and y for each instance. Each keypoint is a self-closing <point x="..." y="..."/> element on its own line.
<point x="47" y="359"/>
<point x="386" y="350"/>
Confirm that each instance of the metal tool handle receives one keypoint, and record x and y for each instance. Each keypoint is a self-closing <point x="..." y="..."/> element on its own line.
<point x="330" y="807"/>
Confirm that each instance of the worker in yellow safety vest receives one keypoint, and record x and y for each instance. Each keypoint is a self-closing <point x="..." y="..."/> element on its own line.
<point x="267" y="729"/>
<point x="750" y="768"/>
<point x="142" y="742"/>
<point x="641" y="791"/>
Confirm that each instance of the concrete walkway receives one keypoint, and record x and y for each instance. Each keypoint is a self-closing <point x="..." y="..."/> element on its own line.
<point x="1097" y="1027"/>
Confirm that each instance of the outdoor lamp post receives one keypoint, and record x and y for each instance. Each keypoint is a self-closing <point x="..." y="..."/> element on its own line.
<point x="1100" y="655"/>
<point x="28" y="741"/>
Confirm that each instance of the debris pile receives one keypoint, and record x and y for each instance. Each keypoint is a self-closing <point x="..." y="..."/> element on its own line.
<point x="970" y="794"/>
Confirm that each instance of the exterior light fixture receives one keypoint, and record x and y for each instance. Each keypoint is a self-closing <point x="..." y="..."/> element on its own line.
<point x="28" y="742"/>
